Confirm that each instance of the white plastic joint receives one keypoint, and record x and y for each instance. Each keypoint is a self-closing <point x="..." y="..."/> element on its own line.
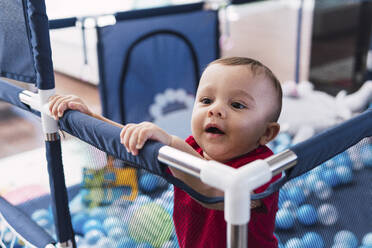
<point x="49" y="124"/>
<point x="237" y="185"/>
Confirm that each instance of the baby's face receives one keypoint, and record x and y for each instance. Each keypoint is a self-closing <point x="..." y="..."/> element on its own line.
<point x="230" y="111"/>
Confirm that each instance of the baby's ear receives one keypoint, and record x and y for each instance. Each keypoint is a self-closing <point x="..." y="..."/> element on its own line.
<point x="271" y="132"/>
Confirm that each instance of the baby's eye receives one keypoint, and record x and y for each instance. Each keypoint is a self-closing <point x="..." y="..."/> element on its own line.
<point x="237" y="105"/>
<point x="206" y="101"/>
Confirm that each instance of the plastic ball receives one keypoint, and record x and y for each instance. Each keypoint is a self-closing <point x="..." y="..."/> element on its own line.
<point x="322" y="190"/>
<point x="98" y="213"/>
<point x="92" y="224"/>
<point x="367" y="239"/>
<point x="343" y="159"/>
<point x="156" y="220"/>
<point x="296" y="195"/>
<point x="366" y="156"/>
<point x="93" y="236"/>
<point x="330" y="177"/>
<point x="105" y="243"/>
<point x="327" y="214"/>
<point x="344" y="174"/>
<point x="79" y="240"/>
<point x="117" y="233"/>
<point x="284" y="219"/>
<point x="78" y="221"/>
<point x="283" y="196"/>
<point x="111" y="222"/>
<point x="290" y="205"/>
<point x="311" y="180"/>
<point x="312" y="240"/>
<point x="307" y="215"/>
<point x="126" y="242"/>
<point x="294" y="243"/>
<point x="346" y="237"/>
<point x="148" y="183"/>
<point x="142" y="199"/>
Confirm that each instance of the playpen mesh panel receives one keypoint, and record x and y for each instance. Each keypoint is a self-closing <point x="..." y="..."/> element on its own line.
<point x="14" y="43"/>
<point x="329" y="199"/>
<point x="112" y="205"/>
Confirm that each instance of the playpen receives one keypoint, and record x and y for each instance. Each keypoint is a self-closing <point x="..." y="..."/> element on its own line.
<point x="26" y="57"/>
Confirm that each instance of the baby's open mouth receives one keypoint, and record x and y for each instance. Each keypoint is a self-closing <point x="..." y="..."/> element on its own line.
<point x="214" y="130"/>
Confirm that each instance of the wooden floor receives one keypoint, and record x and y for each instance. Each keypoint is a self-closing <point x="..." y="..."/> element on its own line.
<point x="21" y="131"/>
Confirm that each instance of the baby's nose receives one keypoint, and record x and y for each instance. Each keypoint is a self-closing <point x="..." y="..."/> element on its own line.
<point x="217" y="111"/>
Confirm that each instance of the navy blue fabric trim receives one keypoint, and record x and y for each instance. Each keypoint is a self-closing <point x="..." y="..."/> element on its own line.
<point x="168" y="10"/>
<point x="24" y="225"/>
<point x="40" y="42"/>
<point x="9" y="93"/>
<point x="59" y="203"/>
<point x="62" y="23"/>
<point x="18" y="77"/>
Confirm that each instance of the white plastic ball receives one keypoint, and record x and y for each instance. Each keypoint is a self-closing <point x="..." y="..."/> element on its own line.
<point x="322" y="190"/>
<point x="327" y="214"/>
<point x="367" y="239"/>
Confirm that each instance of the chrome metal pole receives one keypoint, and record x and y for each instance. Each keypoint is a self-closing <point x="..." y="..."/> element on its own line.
<point x="237" y="236"/>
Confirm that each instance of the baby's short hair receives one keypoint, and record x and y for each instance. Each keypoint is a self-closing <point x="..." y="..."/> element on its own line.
<point x="257" y="68"/>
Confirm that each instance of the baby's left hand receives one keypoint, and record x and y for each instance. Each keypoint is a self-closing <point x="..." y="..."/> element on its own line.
<point x="134" y="136"/>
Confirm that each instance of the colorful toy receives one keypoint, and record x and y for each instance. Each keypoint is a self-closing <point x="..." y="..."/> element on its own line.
<point x="107" y="184"/>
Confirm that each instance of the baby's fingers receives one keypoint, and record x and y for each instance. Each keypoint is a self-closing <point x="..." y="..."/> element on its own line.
<point x="122" y="133"/>
<point x="133" y="141"/>
<point x="143" y="136"/>
<point x="126" y="135"/>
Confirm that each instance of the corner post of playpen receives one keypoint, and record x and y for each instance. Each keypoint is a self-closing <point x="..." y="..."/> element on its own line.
<point x="60" y="209"/>
<point x="237" y="184"/>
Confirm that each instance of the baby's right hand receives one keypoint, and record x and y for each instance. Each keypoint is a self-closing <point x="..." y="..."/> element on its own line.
<point x="59" y="104"/>
<point x="134" y="136"/>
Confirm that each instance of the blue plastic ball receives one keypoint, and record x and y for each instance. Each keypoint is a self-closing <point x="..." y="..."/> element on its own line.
<point x="296" y="195"/>
<point x="312" y="240"/>
<point x="307" y="215"/>
<point x="346" y="237"/>
<point x="366" y="156"/>
<point x="294" y="243"/>
<point x="98" y="213"/>
<point x="283" y="196"/>
<point x="284" y="219"/>
<point x="330" y="177"/>
<point x="78" y="221"/>
<point x="343" y="159"/>
<point x="148" y="183"/>
<point x="92" y="224"/>
<point x="93" y="236"/>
